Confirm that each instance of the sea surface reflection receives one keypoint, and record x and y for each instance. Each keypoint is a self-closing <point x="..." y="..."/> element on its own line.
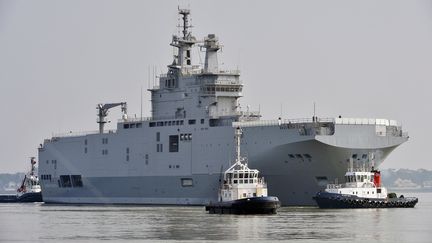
<point x="39" y="222"/>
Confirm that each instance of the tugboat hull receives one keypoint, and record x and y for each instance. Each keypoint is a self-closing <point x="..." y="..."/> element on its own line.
<point x="253" y="205"/>
<point x="333" y="200"/>
<point x="24" y="198"/>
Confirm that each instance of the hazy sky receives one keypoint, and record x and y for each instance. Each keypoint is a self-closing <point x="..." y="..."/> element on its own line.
<point x="58" y="59"/>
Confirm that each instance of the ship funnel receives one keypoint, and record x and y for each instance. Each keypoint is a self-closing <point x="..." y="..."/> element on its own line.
<point x="211" y="61"/>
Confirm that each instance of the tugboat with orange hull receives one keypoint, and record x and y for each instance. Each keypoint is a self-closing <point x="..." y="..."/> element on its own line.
<point x="29" y="191"/>
<point x="242" y="190"/>
<point x="362" y="189"/>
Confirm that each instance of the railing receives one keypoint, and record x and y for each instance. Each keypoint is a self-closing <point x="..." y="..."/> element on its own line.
<point x="80" y="133"/>
<point x="199" y="70"/>
<point x="282" y="122"/>
<point x="365" y="121"/>
<point x="136" y="119"/>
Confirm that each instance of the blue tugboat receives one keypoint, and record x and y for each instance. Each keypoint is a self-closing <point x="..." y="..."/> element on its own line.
<point x="242" y="190"/>
<point x="29" y="191"/>
<point x="362" y="189"/>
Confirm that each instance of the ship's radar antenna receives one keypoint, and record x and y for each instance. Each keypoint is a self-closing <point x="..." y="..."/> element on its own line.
<point x="186" y="25"/>
<point x="103" y="113"/>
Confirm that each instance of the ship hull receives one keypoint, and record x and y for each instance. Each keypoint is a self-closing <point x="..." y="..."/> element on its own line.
<point x="333" y="200"/>
<point x="24" y="198"/>
<point x="253" y="205"/>
<point x="295" y="166"/>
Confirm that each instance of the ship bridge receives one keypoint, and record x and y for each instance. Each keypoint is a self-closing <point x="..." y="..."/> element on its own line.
<point x="204" y="91"/>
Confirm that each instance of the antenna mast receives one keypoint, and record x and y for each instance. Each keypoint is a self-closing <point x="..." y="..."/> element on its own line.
<point x="186" y="25"/>
<point x="141" y="103"/>
<point x="238" y="134"/>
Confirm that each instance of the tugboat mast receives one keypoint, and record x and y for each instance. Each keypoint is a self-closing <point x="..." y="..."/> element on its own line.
<point x="238" y="133"/>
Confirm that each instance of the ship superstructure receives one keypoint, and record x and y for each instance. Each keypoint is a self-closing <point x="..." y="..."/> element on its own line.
<point x="176" y="156"/>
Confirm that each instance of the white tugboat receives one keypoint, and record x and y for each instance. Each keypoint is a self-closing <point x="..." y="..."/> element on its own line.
<point x="242" y="190"/>
<point x="362" y="189"/>
<point x="30" y="189"/>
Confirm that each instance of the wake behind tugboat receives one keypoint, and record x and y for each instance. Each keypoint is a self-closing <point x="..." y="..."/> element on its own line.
<point x="29" y="191"/>
<point x="362" y="189"/>
<point x="242" y="191"/>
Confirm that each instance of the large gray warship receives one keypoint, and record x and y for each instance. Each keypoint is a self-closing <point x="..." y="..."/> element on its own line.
<point x="177" y="155"/>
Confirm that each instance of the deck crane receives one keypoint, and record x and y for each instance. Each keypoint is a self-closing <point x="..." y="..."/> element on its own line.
<point x="103" y="113"/>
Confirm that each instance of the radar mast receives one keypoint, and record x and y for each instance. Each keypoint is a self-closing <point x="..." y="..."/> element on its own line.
<point x="183" y="59"/>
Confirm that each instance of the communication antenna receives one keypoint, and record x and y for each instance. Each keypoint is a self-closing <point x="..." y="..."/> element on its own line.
<point x="153" y="74"/>
<point x="148" y="74"/>
<point x="281" y="108"/>
<point x="141" y="103"/>
<point x="314" y="110"/>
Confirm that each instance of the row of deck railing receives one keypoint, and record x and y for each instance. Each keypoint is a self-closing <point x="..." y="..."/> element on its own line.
<point x="338" y="121"/>
<point x="80" y="133"/>
<point x="392" y="125"/>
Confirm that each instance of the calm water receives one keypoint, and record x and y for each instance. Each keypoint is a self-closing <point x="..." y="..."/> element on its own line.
<point x="38" y="222"/>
